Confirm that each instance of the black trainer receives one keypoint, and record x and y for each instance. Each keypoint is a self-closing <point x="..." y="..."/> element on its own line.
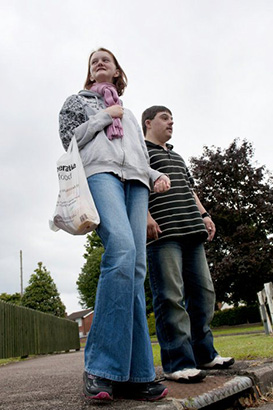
<point x="97" y="388"/>
<point x="141" y="391"/>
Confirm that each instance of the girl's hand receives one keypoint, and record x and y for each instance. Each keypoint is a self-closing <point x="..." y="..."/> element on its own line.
<point x="162" y="184"/>
<point x="116" y="111"/>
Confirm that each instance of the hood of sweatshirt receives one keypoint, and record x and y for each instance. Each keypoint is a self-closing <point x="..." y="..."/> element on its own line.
<point x="89" y="94"/>
<point x="93" y="94"/>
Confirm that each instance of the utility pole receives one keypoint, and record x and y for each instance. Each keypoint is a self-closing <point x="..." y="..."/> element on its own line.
<point x="21" y="272"/>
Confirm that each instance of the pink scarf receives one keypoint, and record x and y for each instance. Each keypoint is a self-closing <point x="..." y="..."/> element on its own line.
<point x="110" y="96"/>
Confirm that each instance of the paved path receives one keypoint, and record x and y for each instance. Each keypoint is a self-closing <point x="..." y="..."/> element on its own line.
<point x="54" y="383"/>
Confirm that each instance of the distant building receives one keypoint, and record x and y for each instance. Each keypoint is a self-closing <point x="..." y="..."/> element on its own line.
<point x="84" y="319"/>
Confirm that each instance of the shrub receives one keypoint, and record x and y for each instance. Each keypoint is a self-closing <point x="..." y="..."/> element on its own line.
<point x="228" y="317"/>
<point x="151" y="324"/>
<point x="236" y="316"/>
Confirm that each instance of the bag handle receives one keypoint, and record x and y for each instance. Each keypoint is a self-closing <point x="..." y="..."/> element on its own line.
<point x="73" y="144"/>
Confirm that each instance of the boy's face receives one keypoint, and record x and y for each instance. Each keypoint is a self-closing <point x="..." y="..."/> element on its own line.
<point x="162" y="126"/>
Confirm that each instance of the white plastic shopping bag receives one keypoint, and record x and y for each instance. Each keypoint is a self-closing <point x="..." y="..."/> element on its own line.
<point x="75" y="211"/>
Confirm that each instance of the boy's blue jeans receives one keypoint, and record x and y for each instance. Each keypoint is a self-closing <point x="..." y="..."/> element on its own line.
<point x="118" y="345"/>
<point x="183" y="299"/>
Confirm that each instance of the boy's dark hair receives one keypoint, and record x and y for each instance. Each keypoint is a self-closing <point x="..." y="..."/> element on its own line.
<point x="150" y="113"/>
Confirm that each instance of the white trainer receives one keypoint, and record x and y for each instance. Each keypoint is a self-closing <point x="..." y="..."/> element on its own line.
<point x="219" y="362"/>
<point x="186" y="375"/>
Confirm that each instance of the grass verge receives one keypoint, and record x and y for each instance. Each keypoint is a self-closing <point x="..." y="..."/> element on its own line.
<point x="10" y="360"/>
<point x="245" y="347"/>
<point x="232" y="330"/>
<point x="241" y="347"/>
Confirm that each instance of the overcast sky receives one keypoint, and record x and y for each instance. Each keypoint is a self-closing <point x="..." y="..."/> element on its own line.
<point x="209" y="61"/>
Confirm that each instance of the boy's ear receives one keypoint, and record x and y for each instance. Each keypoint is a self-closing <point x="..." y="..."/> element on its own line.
<point x="148" y="123"/>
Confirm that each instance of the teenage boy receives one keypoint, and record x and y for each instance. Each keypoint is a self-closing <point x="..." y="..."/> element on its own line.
<point x="183" y="292"/>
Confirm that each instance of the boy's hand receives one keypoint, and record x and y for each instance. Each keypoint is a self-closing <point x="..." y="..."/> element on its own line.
<point x="152" y="228"/>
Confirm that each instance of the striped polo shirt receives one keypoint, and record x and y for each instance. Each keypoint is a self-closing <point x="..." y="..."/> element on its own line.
<point x="175" y="211"/>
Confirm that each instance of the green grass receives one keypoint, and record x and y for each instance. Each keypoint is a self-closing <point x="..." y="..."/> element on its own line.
<point x="241" y="347"/>
<point x="10" y="360"/>
<point x="230" y="330"/>
<point x="156" y="353"/>
<point x="236" y="329"/>
<point x="245" y="347"/>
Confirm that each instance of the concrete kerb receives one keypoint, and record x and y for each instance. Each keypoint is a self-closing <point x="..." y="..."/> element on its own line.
<point x="263" y="377"/>
<point x="232" y="388"/>
<point x="245" y="377"/>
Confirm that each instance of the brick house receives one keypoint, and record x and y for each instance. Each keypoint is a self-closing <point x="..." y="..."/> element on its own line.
<point x="84" y="319"/>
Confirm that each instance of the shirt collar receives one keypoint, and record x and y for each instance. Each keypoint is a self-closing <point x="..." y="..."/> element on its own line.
<point x="151" y="144"/>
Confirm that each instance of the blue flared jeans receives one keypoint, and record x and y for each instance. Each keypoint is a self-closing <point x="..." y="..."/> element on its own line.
<point x="183" y="299"/>
<point x="118" y="345"/>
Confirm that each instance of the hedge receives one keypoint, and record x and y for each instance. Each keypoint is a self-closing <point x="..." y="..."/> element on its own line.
<point x="236" y="316"/>
<point x="227" y="317"/>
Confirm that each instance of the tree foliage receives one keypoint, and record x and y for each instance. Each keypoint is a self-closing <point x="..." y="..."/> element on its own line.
<point x="88" y="278"/>
<point x="15" y="298"/>
<point x="42" y="294"/>
<point x="239" y="195"/>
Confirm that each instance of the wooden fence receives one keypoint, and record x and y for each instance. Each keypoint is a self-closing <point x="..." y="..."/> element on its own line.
<point x="25" y="331"/>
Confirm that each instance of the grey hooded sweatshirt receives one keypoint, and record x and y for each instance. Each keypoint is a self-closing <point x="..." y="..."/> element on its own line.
<point x="84" y="116"/>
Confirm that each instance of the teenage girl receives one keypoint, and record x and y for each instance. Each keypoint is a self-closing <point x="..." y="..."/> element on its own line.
<point x="118" y="354"/>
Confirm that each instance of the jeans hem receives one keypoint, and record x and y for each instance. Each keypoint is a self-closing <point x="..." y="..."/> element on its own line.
<point x="142" y="379"/>
<point x="116" y="378"/>
<point x="108" y="376"/>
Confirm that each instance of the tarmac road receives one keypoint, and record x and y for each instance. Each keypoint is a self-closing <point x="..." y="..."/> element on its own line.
<point x="55" y="383"/>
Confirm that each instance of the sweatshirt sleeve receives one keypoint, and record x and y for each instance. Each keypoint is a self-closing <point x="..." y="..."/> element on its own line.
<point x="73" y="120"/>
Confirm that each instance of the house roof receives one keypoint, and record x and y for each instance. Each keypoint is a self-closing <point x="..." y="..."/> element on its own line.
<point x="80" y="314"/>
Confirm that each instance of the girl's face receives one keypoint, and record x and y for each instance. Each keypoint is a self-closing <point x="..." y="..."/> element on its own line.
<point x="102" y="67"/>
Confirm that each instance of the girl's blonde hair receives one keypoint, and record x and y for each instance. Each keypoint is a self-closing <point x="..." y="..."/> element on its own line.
<point x="120" y="82"/>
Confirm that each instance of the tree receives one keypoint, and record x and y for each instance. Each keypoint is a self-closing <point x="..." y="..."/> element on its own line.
<point x="88" y="278"/>
<point x="239" y="196"/>
<point x="15" y="298"/>
<point x="42" y="294"/>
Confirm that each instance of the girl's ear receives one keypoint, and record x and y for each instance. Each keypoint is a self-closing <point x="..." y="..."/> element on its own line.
<point x="117" y="73"/>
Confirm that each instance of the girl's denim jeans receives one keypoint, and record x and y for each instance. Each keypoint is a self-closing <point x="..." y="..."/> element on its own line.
<point x="118" y="345"/>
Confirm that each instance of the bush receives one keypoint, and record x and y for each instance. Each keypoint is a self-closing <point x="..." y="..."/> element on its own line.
<point x="227" y="317"/>
<point x="151" y="324"/>
<point x="236" y="316"/>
